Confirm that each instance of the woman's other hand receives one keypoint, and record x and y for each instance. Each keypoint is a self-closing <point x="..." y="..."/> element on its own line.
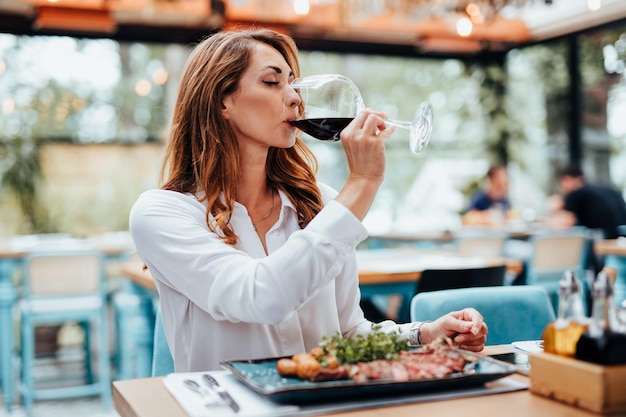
<point x="465" y="328"/>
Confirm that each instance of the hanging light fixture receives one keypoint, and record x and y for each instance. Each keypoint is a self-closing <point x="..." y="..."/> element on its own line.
<point x="464" y="26"/>
<point x="467" y="13"/>
<point x="461" y="17"/>
<point x="479" y="11"/>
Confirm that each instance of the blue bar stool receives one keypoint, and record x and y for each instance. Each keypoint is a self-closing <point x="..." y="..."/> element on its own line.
<point x="65" y="287"/>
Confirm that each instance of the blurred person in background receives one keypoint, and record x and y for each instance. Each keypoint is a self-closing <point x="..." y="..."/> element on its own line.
<point x="599" y="207"/>
<point x="595" y="206"/>
<point x="490" y="206"/>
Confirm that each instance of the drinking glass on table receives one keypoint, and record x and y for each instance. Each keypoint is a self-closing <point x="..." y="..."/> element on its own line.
<point x="332" y="101"/>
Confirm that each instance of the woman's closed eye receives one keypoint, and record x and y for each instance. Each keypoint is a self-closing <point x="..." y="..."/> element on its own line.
<point x="271" y="83"/>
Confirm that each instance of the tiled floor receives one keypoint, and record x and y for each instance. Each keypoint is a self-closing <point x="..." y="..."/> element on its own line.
<point x="67" y="363"/>
<point x="84" y="407"/>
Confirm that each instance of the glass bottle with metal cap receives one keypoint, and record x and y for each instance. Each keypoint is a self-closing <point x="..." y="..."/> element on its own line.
<point x="602" y="343"/>
<point x="560" y="336"/>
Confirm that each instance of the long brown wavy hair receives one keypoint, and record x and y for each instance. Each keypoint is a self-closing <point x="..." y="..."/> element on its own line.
<point x="202" y="155"/>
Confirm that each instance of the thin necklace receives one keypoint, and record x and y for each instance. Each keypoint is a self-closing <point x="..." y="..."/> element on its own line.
<point x="267" y="215"/>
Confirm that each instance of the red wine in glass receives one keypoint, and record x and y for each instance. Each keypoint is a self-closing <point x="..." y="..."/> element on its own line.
<point x="324" y="128"/>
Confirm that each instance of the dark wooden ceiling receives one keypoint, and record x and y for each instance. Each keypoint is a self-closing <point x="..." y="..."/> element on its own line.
<point x="318" y="31"/>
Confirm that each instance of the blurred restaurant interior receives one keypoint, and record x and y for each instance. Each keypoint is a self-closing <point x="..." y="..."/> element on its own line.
<point x="86" y="95"/>
<point x="536" y="87"/>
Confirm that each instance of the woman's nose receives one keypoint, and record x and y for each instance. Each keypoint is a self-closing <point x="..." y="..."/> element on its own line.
<point x="293" y="97"/>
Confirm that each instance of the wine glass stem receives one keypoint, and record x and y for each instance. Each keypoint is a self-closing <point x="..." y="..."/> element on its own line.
<point x="399" y="123"/>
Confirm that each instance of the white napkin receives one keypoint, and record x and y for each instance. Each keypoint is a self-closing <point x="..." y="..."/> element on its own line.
<point x="195" y="405"/>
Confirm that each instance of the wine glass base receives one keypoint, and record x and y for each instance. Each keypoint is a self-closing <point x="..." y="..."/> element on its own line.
<point x="421" y="128"/>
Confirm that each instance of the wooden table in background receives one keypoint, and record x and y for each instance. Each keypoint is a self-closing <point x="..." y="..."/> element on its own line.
<point x="135" y="271"/>
<point x="611" y="247"/>
<point x="430" y="239"/>
<point x="370" y="277"/>
<point x="396" y="271"/>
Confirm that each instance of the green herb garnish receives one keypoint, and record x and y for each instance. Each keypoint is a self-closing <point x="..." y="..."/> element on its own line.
<point x="377" y="345"/>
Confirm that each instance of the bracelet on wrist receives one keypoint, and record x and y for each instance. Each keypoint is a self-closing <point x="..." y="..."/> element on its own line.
<point x="419" y="333"/>
<point x="415" y="338"/>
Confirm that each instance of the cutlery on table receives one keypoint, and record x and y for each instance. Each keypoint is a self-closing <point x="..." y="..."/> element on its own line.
<point x="195" y="387"/>
<point x="214" y="385"/>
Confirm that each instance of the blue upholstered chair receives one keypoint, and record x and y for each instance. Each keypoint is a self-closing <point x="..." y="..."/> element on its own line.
<point x="512" y="313"/>
<point x="58" y="287"/>
<point x="162" y="361"/>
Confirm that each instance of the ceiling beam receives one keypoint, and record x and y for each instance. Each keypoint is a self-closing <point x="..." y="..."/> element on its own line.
<point x="74" y="19"/>
<point x="399" y="42"/>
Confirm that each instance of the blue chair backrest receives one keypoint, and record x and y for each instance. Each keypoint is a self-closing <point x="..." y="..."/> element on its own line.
<point x="162" y="361"/>
<point x="512" y="313"/>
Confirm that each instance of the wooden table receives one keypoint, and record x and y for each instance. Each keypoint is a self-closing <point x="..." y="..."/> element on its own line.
<point x="396" y="271"/>
<point x="134" y="270"/>
<point x="429" y="239"/>
<point x="149" y="398"/>
<point x="426" y="239"/>
<point x="369" y="275"/>
<point x="610" y="247"/>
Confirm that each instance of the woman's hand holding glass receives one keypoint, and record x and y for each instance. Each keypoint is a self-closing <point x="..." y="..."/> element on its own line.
<point x="364" y="144"/>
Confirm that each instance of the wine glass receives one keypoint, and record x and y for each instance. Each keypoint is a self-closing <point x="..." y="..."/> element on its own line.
<point x="332" y="101"/>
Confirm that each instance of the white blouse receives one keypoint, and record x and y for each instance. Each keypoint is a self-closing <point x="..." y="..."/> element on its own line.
<point x="221" y="302"/>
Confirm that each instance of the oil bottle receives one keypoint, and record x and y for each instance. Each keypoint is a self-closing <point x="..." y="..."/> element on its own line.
<point x="602" y="343"/>
<point x="561" y="335"/>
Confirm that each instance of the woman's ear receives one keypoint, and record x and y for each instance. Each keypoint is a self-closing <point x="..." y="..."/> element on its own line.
<point x="225" y="106"/>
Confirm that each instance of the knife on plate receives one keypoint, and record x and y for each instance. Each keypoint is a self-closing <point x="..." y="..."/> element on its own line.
<point x="222" y="392"/>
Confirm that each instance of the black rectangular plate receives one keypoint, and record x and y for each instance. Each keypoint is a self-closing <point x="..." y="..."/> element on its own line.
<point x="261" y="376"/>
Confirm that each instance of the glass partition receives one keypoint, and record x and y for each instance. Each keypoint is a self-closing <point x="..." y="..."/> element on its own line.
<point x="104" y="94"/>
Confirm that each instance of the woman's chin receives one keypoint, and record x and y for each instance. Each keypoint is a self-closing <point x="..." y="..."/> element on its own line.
<point x="287" y="142"/>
